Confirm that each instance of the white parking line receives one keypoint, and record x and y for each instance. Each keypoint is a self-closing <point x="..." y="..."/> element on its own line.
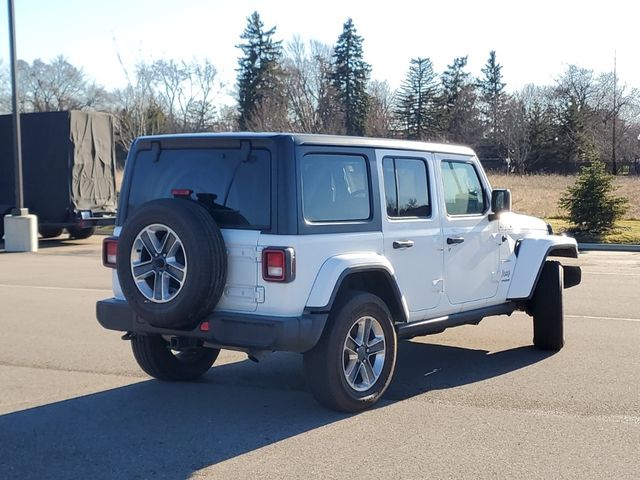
<point x="587" y="272"/>
<point x="589" y="317"/>
<point x="44" y="287"/>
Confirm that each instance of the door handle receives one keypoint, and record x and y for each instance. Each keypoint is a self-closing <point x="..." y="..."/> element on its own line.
<point x="402" y="244"/>
<point x="454" y="240"/>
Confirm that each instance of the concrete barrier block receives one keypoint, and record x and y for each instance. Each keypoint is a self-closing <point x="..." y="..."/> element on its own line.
<point x="21" y="232"/>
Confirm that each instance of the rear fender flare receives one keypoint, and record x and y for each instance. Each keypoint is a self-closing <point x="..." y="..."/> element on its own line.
<point x="336" y="269"/>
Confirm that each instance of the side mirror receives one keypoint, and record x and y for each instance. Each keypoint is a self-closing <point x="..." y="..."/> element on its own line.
<point x="500" y="202"/>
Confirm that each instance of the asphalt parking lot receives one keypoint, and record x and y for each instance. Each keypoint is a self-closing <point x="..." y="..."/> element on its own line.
<point x="473" y="402"/>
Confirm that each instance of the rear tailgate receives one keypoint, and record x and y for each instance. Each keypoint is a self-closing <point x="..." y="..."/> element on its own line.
<point x="241" y="292"/>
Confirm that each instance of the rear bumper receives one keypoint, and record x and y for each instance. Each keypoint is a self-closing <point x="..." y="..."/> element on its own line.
<point x="244" y="331"/>
<point x="78" y="221"/>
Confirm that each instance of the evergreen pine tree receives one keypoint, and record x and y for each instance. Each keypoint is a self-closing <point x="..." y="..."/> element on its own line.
<point x="454" y="79"/>
<point x="575" y="142"/>
<point x="349" y="77"/>
<point x="541" y="134"/>
<point x="259" y="80"/>
<point x="416" y="100"/>
<point x="492" y="94"/>
<point x="458" y="115"/>
<point x="592" y="204"/>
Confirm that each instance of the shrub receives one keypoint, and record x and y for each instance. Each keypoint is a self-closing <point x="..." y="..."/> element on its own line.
<point x="591" y="201"/>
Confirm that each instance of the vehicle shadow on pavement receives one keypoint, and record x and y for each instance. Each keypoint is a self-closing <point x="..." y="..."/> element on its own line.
<point x="423" y="367"/>
<point x="151" y="429"/>
<point x="157" y="429"/>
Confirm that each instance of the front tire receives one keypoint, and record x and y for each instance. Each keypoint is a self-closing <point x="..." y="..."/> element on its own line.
<point x="547" y="309"/>
<point x="353" y="363"/>
<point x="156" y="358"/>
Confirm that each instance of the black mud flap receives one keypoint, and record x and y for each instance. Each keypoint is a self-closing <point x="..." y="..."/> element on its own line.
<point x="572" y="276"/>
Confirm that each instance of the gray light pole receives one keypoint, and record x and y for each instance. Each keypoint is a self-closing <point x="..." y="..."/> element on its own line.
<point x="20" y="228"/>
<point x="17" y="138"/>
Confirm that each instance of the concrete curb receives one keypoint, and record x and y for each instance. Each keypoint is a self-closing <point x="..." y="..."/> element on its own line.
<point x="608" y="247"/>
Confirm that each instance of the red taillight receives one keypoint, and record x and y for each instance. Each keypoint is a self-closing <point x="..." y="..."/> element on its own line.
<point x="275" y="265"/>
<point x="181" y="192"/>
<point x="110" y="252"/>
<point x="278" y="264"/>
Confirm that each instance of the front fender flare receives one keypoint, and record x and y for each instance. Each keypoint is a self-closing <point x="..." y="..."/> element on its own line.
<point x="531" y="255"/>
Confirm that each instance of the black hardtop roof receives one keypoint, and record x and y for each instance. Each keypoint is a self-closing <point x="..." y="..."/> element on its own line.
<point x="316" y="139"/>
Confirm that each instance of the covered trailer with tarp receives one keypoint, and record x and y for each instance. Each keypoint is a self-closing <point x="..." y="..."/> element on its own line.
<point x="68" y="163"/>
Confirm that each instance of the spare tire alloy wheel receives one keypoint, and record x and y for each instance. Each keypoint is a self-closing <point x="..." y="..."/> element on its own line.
<point x="173" y="263"/>
<point x="158" y="263"/>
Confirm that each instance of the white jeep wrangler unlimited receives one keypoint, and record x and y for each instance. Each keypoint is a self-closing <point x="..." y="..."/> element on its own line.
<point x="334" y="247"/>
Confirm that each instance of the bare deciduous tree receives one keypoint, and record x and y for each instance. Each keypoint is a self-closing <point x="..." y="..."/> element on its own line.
<point x="589" y="104"/>
<point x="167" y="96"/>
<point x="136" y="108"/>
<point x="308" y="85"/>
<point x="55" y="86"/>
<point x="5" y="89"/>
<point x="185" y="92"/>
<point x="516" y="134"/>
<point x="380" y="117"/>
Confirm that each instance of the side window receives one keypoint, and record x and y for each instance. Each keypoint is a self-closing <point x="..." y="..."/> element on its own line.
<point x="406" y="187"/>
<point x="335" y="188"/>
<point x="390" y="189"/>
<point x="463" y="193"/>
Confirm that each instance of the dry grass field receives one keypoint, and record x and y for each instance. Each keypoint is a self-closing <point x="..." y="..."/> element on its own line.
<point x="538" y="195"/>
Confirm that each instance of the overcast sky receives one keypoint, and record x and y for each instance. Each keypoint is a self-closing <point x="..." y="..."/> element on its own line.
<point x="534" y="40"/>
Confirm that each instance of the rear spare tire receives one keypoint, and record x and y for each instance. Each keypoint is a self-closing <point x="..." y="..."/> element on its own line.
<point x="172" y="262"/>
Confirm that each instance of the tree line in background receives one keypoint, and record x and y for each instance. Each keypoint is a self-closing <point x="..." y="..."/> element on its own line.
<point x="311" y="87"/>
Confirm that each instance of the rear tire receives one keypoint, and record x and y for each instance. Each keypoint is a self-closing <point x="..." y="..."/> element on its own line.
<point x="49" y="232"/>
<point x="547" y="309"/>
<point x="81" y="233"/>
<point x="353" y="363"/>
<point x="156" y="358"/>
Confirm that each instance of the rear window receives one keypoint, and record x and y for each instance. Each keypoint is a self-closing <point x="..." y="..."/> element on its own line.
<point x="234" y="188"/>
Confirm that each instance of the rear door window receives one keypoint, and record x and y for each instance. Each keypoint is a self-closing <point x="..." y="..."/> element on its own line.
<point x="335" y="188"/>
<point x="235" y="188"/>
<point x="406" y="187"/>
